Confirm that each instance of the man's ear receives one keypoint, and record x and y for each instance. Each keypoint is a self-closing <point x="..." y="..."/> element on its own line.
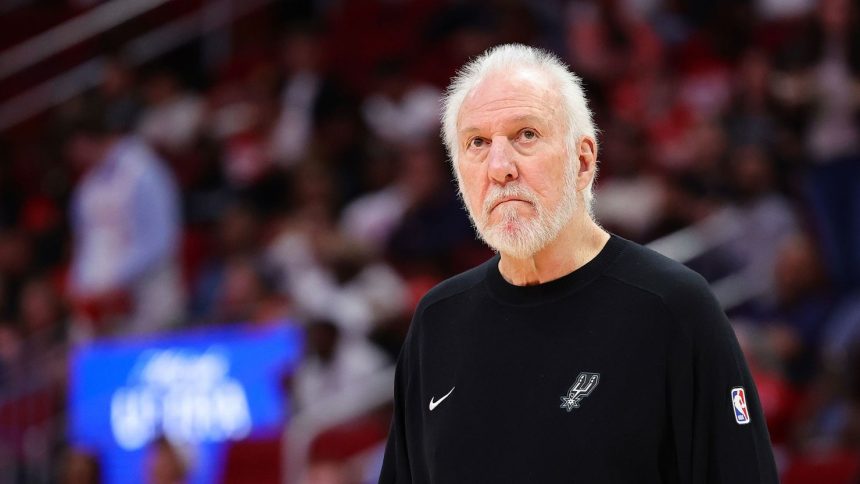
<point x="587" y="167"/>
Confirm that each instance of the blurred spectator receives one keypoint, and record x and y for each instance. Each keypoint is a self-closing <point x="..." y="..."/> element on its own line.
<point x="333" y="364"/>
<point x="401" y="108"/>
<point x="246" y="159"/>
<point x="339" y="152"/>
<point x="305" y="93"/>
<point x="765" y="217"/>
<point x="631" y="201"/>
<point x="371" y="218"/>
<point x="828" y="444"/>
<point x="11" y="368"/>
<point x="361" y="34"/>
<point x="433" y="236"/>
<point x="455" y="33"/>
<point x="237" y="237"/>
<point x="294" y="247"/>
<point x="842" y="334"/>
<point x="749" y="119"/>
<point x="821" y="83"/>
<point x="834" y="68"/>
<point x="125" y="218"/>
<point x="165" y="464"/>
<point x="346" y="285"/>
<point x="44" y="325"/>
<point x="649" y="100"/>
<point x="608" y="40"/>
<point x="172" y="117"/>
<point x="795" y="321"/>
<point x="117" y="95"/>
<point x="776" y="9"/>
<point x="10" y="193"/>
<point x="15" y="264"/>
<point x="326" y="275"/>
<point x="80" y="467"/>
<point x="247" y="293"/>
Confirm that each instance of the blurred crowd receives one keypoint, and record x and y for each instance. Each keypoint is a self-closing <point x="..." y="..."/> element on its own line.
<point x="303" y="180"/>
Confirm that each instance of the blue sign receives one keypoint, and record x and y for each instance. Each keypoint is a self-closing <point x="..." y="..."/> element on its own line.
<point x="200" y="390"/>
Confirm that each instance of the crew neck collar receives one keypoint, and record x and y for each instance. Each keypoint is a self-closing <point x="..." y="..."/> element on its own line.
<point x="509" y="293"/>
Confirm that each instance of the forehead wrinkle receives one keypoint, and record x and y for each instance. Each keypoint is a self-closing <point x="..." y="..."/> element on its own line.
<point x="520" y="95"/>
<point x="541" y="114"/>
<point x="505" y="93"/>
<point x="519" y="119"/>
<point x="504" y="104"/>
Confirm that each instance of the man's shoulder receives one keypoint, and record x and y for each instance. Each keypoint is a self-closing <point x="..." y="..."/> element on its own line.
<point x="684" y="294"/>
<point x="455" y="285"/>
<point x="650" y="271"/>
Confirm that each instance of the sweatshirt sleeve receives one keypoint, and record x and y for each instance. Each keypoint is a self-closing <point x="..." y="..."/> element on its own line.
<point x="718" y="427"/>
<point x="395" y="464"/>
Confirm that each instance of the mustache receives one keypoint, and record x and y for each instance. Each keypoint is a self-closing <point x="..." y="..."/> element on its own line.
<point x="497" y="194"/>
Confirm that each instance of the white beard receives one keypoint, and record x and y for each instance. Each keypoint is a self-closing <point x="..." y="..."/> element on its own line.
<point x="517" y="236"/>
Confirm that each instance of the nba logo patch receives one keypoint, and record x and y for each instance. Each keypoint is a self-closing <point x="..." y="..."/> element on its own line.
<point x="739" y="404"/>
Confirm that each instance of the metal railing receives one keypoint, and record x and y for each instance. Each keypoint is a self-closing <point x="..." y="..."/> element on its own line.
<point x="207" y="21"/>
<point x="63" y="36"/>
<point x="709" y="234"/>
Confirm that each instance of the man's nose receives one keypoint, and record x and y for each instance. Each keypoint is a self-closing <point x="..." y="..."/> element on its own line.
<point x="501" y="166"/>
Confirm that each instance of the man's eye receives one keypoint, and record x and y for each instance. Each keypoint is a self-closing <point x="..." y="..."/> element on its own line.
<point x="528" y="134"/>
<point x="477" y="143"/>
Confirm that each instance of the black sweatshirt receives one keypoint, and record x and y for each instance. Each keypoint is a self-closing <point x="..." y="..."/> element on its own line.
<point x="625" y="370"/>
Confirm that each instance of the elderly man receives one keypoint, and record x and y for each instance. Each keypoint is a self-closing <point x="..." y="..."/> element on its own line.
<point x="573" y="355"/>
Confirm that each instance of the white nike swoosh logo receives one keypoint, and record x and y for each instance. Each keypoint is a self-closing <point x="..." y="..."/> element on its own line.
<point x="436" y="403"/>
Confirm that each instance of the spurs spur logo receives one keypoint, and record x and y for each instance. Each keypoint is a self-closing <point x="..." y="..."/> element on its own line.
<point x="583" y="386"/>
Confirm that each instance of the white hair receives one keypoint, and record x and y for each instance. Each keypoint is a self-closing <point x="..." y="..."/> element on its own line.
<point x="575" y="112"/>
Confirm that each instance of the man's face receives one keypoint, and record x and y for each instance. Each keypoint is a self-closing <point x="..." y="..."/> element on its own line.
<point x="517" y="179"/>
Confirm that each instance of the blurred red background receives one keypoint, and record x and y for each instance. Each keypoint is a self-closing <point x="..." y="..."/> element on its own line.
<point x="174" y="165"/>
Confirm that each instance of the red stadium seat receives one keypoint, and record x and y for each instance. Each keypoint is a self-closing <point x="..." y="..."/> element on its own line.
<point x="839" y="467"/>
